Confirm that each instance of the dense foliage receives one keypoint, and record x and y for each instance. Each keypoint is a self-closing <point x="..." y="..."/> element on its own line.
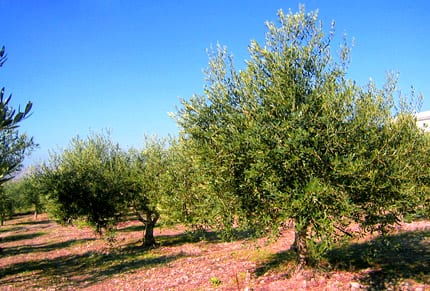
<point x="95" y="180"/>
<point x="291" y="138"/>
<point x="86" y="181"/>
<point x="288" y="139"/>
<point x="24" y="195"/>
<point x="6" y="206"/>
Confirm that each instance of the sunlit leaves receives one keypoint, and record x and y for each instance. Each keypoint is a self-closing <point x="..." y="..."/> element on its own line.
<point x="86" y="180"/>
<point x="289" y="137"/>
<point x="13" y="145"/>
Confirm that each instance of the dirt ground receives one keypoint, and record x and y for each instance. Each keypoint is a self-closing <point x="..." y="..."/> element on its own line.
<point x="41" y="255"/>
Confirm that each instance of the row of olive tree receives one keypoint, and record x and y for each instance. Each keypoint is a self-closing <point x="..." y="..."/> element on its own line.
<point x="288" y="138"/>
<point x="95" y="179"/>
<point x="21" y="196"/>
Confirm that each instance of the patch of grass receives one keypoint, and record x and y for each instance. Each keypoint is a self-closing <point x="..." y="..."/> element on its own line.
<point x="259" y="255"/>
<point x="215" y="281"/>
<point x="81" y="223"/>
<point x="132" y="228"/>
<point x="284" y="261"/>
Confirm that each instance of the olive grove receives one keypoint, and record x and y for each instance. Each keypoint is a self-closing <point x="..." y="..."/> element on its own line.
<point x="288" y="138"/>
<point x="95" y="180"/>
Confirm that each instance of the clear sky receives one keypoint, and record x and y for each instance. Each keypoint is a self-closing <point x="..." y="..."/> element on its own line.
<point x="89" y="65"/>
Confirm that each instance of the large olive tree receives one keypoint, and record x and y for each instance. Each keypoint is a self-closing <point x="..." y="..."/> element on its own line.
<point x="289" y="137"/>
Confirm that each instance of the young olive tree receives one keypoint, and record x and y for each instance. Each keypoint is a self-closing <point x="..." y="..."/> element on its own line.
<point x="25" y="194"/>
<point x="96" y="180"/>
<point x="146" y="172"/>
<point x="87" y="180"/>
<point x="289" y="137"/>
<point x="7" y="206"/>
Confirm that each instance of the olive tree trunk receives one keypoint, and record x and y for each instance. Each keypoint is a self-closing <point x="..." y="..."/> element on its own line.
<point x="300" y="247"/>
<point x="149" y="221"/>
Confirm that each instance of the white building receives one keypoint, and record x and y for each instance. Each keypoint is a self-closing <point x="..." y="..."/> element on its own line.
<point x="423" y="120"/>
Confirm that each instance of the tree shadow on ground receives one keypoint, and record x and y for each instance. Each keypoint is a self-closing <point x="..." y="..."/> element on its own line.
<point x="79" y="271"/>
<point x="35" y="222"/>
<point x="390" y="260"/>
<point x="393" y="259"/>
<point x="26" y="249"/>
<point x="202" y="235"/>
<point x="285" y="260"/>
<point x="187" y="237"/>
<point x="132" y="228"/>
<point x="176" y="239"/>
<point x="11" y="229"/>
<point x="192" y="235"/>
<point x="17" y="237"/>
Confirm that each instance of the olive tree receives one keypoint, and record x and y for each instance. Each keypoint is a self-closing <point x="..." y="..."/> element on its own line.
<point x="145" y="179"/>
<point x="6" y="206"/>
<point x="289" y="137"/>
<point x="86" y="181"/>
<point x="13" y="145"/>
<point x="94" y="179"/>
<point x="25" y="195"/>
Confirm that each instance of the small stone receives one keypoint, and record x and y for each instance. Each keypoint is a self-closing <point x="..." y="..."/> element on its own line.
<point x="355" y="285"/>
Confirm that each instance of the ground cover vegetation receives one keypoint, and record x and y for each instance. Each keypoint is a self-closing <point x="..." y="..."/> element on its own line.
<point x="288" y="141"/>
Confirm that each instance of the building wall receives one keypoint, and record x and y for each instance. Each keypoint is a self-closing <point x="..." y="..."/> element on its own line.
<point x="423" y="120"/>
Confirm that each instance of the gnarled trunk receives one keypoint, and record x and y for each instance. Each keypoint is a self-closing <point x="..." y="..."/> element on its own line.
<point x="151" y="220"/>
<point x="300" y="247"/>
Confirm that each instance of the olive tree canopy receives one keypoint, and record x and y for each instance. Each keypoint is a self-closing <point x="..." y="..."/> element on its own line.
<point x="290" y="137"/>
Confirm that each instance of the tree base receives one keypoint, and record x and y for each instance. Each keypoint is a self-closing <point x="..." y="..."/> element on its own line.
<point x="150" y="245"/>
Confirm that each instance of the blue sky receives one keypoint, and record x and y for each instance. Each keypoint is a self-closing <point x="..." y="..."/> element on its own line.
<point x="90" y="65"/>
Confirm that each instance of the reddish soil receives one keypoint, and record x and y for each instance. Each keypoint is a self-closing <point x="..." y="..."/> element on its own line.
<point x="41" y="255"/>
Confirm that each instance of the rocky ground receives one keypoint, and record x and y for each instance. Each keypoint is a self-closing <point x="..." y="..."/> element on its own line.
<point x="41" y="255"/>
